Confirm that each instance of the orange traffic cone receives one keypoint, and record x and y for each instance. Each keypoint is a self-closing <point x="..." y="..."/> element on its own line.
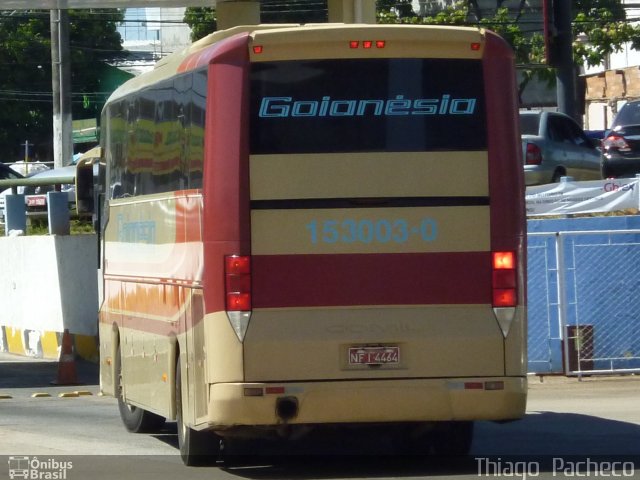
<point x="67" y="363"/>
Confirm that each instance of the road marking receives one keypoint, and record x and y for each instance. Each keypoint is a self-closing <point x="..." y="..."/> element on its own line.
<point x="40" y="395"/>
<point x="5" y="397"/>
<point x="68" y="395"/>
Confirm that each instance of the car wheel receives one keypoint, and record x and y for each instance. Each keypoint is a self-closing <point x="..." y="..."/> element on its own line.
<point x="557" y="175"/>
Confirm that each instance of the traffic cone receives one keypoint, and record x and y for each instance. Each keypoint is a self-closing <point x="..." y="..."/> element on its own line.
<point x="67" y="363"/>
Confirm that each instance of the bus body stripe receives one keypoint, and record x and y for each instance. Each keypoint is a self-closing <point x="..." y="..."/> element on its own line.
<point x="281" y="281"/>
<point x="375" y="202"/>
<point x="376" y="174"/>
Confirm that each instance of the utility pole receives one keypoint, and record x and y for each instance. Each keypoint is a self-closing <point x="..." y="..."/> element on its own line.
<point x="566" y="70"/>
<point x="26" y="156"/>
<point x="61" y="85"/>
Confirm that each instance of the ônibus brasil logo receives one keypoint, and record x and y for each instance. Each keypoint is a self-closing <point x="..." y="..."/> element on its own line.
<point x="283" y="107"/>
<point x="37" y="469"/>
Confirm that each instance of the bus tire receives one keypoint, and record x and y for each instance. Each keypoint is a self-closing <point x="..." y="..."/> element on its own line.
<point x="453" y="439"/>
<point x="135" y="419"/>
<point x="196" y="447"/>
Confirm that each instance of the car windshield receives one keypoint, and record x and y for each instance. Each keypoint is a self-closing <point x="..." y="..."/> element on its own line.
<point x="529" y="124"/>
<point x="629" y="114"/>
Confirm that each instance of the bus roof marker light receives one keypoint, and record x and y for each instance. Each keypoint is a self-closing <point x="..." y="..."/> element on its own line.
<point x="380" y="43"/>
<point x="257" y="49"/>
<point x="354" y="44"/>
<point x="475" y="46"/>
<point x="367" y="44"/>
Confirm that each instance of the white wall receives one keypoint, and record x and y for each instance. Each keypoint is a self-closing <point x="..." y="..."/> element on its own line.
<point x="49" y="283"/>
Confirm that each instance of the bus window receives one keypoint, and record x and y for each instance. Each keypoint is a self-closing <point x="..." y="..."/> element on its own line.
<point x="375" y="105"/>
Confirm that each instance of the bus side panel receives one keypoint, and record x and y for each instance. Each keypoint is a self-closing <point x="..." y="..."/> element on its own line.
<point x="152" y="272"/>
<point x="506" y="180"/>
<point x="110" y="321"/>
<point x="226" y="224"/>
<point x="506" y="176"/>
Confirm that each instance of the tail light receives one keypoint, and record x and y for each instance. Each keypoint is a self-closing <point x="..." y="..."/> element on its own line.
<point x="616" y="142"/>
<point x="533" y="154"/>
<point x="237" y="272"/>
<point x="504" y="279"/>
<point x="238" y="283"/>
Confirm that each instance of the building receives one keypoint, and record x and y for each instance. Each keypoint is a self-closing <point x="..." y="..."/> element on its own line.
<point x="614" y="82"/>
<point x="150" y="34"/>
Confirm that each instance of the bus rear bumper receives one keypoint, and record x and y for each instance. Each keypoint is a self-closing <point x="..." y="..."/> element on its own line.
<point x="381" y="401"/>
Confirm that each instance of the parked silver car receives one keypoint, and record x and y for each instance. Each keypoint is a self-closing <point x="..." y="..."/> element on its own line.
<point x="554" y="146"/>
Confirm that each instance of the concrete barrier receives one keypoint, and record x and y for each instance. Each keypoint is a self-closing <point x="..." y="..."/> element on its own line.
<point x="48" y="284"/>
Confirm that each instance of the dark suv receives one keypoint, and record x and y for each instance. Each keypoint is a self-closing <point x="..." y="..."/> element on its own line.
<point x="621" y="144"/>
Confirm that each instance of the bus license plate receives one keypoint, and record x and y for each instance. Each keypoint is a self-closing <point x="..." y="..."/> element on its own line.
<point x="386" y="355"/>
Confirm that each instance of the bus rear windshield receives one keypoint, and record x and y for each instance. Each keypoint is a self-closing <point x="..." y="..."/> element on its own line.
<point x="372" y="105"/>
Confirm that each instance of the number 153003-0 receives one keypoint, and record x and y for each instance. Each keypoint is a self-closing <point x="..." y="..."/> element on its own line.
<point x="371" y="231"/>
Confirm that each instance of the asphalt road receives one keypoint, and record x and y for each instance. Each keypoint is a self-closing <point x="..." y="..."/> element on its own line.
<point x="568" y="424"/>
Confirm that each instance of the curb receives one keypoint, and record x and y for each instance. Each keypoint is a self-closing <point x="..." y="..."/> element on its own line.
<point x="33" y="343"/>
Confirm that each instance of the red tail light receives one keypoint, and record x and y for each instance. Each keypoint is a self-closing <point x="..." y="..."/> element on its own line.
<point x="238" y="283"/>
<point x="367" y="43"/>
<point x="504" y="279"/>
<point x="534" y="155"/>
<point x="616" y="142"/>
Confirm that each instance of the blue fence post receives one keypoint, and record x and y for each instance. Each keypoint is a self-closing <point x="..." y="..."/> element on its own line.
<point x="58" y="211"/>
<point x="15" y="214"/>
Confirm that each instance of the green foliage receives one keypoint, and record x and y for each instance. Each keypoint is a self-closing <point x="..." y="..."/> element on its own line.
<point x="25" y="73"/>
<point x="201" y="20"/>
<point x="40" y="226"/>
<point x="599" y="27"/>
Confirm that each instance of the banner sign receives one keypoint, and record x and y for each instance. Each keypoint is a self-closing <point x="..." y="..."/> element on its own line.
<point x="597" y="196"/>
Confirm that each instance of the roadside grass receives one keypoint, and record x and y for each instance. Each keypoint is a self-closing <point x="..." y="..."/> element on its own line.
<point x="40" y="226"/>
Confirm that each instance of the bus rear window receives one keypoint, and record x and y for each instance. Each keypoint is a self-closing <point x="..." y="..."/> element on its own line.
<point x="369" y="105"/>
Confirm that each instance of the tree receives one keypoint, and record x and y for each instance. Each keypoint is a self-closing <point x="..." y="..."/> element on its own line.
<point x="201" y="20"/>
<point x="599" y="25"/>
<point x="25" y="73"/>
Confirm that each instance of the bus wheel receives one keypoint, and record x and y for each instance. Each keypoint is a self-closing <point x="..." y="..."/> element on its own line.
<point x="453" y="438"/>
<point x="136" y="420"/>
<point x="196" y="447"/>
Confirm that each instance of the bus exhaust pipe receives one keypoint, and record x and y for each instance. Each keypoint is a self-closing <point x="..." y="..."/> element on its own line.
<point x="287" y="408"/>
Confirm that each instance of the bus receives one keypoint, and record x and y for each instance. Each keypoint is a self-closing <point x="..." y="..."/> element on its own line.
<point x="313" y="227"/>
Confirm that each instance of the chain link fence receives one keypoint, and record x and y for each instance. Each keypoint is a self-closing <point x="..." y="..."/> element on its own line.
<point x="584" y="302"/>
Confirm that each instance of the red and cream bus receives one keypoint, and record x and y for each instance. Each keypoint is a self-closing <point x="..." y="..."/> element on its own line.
<point x="314" y="226"/>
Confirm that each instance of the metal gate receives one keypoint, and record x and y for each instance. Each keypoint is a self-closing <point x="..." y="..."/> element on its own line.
<point x="584" y="302"/>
